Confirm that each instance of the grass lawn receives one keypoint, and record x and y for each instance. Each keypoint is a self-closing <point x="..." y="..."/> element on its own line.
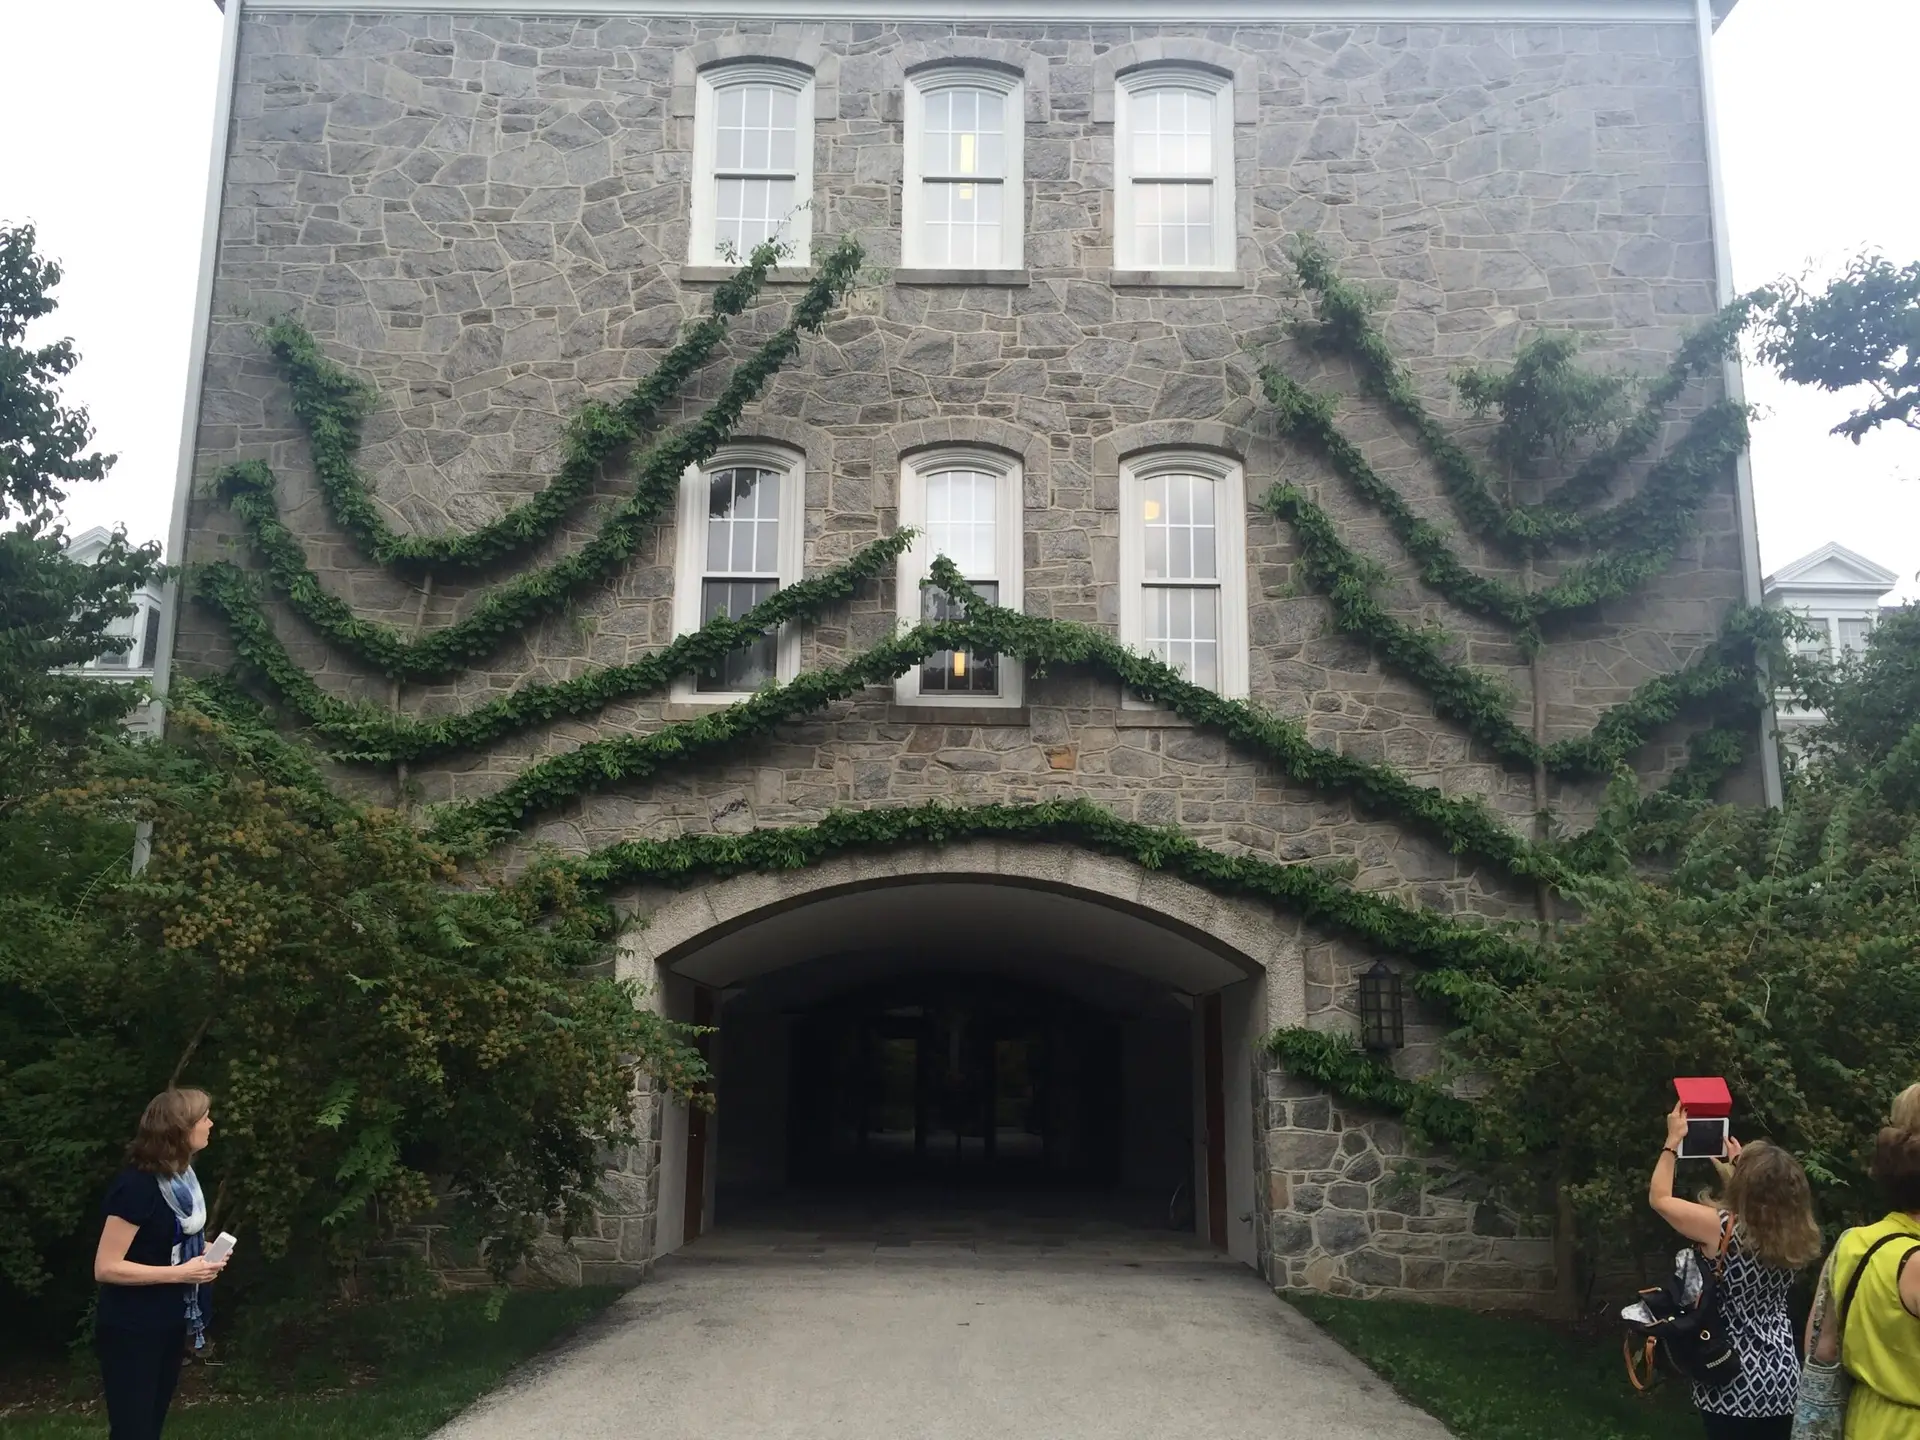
<point x="419" y="1391"/>
<point x="1489" y="1377"/>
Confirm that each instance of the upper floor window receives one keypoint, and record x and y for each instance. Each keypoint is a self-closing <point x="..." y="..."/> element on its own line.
<point x="740" y="541"/>
<point x="1183" y="566"/>
<point x="1173" y="164"/>
<point x="752" y="161"/>
<point x="964" y="204"/>
<point x="1818" y="645"/>
<point x="136" y="638"/>
<point x="1854" y="633"/>
<point x="965" y="504"/>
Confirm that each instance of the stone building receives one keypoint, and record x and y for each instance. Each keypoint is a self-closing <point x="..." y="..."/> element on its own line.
<point x="1077" y="218"/>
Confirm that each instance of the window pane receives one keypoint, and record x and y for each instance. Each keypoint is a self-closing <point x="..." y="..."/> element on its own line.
<point x="1180" y="528"/>
<point x="960" y="521"/>
<point x="751" y="666"/>
<point x="1173" y="224"/>
<point x="1183" y="629"/>
<point x="743" y="522"/>
<point x="786" y="131"/>
<point x="958" y="672"/>
<point x="1853" y="634"/>
<point x="747" y="212"/>
<point x="756" y="129"/>
<point x="963" y="223"/>
<point x="1172" y="132"/>
<point x="965" y="133"/>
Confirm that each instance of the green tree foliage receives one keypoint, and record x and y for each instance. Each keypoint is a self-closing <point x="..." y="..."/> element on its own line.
<point x="384" y="1028"/>
<point x="53" y="614"/>
<point x="1780" y="948"/>
<point x="374" y="1022"/>
<point x="1863" y="329"/>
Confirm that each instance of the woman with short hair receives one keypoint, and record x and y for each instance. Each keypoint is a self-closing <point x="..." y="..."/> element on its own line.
<point x="150" y="1266"/>
<point x="1880" y="1344"/>
<point x="1765" y="1216"/>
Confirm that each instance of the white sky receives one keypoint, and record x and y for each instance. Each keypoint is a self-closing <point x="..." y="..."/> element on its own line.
<point x="1813" y="101"/>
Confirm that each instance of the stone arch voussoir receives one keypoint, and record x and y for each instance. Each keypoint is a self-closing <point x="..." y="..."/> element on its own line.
<point x="894" y="444"/>
<point x="787" y="46"/>
<point x="1247" y="933"/>
<point x="1238" y="65"/>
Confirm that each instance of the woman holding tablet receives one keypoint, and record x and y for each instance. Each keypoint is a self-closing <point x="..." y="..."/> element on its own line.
<point x="151" y="1265"/>
<point x="1765" y="1218"/>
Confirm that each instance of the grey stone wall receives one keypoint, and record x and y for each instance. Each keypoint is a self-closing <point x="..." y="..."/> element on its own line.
<point x="486" y="217"/>
<point x="1352" y="1207"/>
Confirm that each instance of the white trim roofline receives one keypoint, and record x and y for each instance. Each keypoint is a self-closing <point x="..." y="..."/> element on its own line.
<point x="964" y="12"/>
<point x="1875" y="580"/>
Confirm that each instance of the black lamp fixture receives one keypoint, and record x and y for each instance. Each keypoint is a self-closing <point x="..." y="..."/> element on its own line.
<point x="1382" y="1026"/>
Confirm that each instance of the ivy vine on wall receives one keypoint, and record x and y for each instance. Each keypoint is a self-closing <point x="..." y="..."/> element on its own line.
<point x="1456" y="957"/>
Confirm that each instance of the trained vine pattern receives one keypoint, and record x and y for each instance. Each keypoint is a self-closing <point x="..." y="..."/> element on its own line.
<point x="1456" y="958"/>
<point x="332" y="406"/>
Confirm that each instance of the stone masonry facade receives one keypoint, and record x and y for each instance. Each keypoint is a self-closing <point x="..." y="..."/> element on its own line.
<point x="486" y="216"/>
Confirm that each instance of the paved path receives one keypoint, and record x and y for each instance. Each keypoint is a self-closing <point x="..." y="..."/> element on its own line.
<point x="766" y="1336"/>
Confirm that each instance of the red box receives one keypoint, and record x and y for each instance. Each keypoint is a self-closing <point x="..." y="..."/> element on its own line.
<point x="1705" y="1096"/>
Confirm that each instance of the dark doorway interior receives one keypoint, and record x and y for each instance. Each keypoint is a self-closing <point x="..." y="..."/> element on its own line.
<point x="955" y="1081"/>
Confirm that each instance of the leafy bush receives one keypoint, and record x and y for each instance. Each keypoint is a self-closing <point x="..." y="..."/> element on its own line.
<point x="1781" y="949"/>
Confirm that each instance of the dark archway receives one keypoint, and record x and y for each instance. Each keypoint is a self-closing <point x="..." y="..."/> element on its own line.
<point x="968" y="1025"/>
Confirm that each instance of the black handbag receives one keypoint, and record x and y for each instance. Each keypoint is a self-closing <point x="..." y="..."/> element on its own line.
<point x="1683" y="1336"/>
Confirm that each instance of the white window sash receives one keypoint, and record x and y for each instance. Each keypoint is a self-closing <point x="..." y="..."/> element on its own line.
<point x="915" y="561"/>
<point x="703" y="227"/>
<point x="1230" y="560"/>
<point x="690" y="572"/>
<point x="919" y="176"/>
<point x="1127" y="254"/>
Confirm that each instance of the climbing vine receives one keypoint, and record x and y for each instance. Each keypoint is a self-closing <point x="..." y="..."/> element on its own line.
<point x="1337" y="1064"/>
<point x="1458" y="959"/>
<point x="1445" y="944"/>
<point x="332" y="406"/>
<point x="374" y="735"/>
<point x="508" y="609"/>
<point x="1343" y="322"/>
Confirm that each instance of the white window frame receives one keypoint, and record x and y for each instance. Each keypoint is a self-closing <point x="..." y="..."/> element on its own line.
<point x="690" y="562"/>
<point x="913" y="203"/>
<point x="702" y="232"/>
<point x="1226" y="248"/>
<point x="1230" y="518"/>
<point x="1009" y="554"/>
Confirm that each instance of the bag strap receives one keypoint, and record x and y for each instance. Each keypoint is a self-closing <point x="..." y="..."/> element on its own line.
<point x="1726" y="1239"/>
<point x="1853" y="1282"/>
<point x="1646" y="1355"/>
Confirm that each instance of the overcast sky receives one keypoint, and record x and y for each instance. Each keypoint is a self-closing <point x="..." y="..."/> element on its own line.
<point x="112" y="169"/>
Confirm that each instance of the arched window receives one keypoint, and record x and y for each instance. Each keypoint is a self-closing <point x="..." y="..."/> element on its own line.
<point x="964" y="203"/>
<point x="740" y="525"/>
<point x="752" y="161"/>
<point x="966" y="505"/>
<point x="1183" y="565"/>
<point x="1173" y="166"/>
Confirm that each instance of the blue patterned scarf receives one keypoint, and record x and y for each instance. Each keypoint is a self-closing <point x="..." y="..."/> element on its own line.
<point x="189" y="1206"/>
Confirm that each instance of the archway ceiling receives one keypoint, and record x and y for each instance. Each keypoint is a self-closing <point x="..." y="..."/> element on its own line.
<point x="963" y="925"/>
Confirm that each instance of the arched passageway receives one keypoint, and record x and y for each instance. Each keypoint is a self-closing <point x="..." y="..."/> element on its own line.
<point x="981" y="1026"/>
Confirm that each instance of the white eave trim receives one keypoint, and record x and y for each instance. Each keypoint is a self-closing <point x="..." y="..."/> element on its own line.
<point x="963" y="12"/>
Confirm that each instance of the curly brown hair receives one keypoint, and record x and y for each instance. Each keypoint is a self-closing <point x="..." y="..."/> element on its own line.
<point x="1769" y="1193"/>
<point x="163" y="1145"/>
<point x="1896" y="1166"/>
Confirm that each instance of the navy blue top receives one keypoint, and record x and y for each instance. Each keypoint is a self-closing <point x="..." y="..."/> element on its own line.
<point x="135" y="1197"/>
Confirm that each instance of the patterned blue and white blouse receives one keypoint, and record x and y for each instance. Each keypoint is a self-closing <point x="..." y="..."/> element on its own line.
<point x="1753" y="1307"/>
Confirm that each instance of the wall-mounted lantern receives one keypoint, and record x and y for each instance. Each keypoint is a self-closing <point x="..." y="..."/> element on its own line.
<point x="1382" y="1026"/>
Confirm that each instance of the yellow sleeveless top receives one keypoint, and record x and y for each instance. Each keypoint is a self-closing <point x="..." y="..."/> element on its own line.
<point x="1881" y="1347"/>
